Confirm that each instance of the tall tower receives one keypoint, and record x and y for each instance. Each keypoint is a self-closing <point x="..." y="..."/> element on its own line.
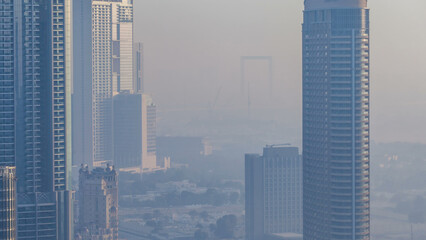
<point x="336" y="124"/>
<point x="82" y="83"/>
<point x="35" y="82"/>
<point x="112" y="49"/>
<point x="8" y="203"/>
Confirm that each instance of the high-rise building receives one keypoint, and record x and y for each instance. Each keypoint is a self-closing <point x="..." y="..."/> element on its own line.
<point x="35" y="82"/>
<point x="336" y="120"/>
<point x="112" y="49"/>
<point x="138" y="71"/>
<point x="82" y="83"/>
<point x="98" y="201"/>
<point x="8" y="203"/>
<point x="273" y="192"/>
<point x="7" y="83"/>
<point x="149" y="133"/>
<point x="127" y="130"/>
<point x="135" y="131"/>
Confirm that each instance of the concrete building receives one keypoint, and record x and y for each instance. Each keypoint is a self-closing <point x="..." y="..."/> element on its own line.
<point x="135" y="125"/>
<point x="336" y="126"/>
<point x="98" y="201"/>
<point x="8" y="203"/>
<point x="35" y="113"/>
<point x="273" y="192"/>
<point x="149" y="137"/>
<point x="112" y="49"/>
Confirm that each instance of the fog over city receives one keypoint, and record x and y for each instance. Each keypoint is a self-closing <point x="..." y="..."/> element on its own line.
<point x="212" y="120"/>
<point x="193" y="48"/>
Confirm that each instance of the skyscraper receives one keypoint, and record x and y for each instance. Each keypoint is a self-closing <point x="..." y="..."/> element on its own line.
<point x="273" y="193"/>
<point x="82" y="83"/>
<point x="112" y="49"/>
<point x="149" y="132"/>
<point x="35" y="82"/>
<point x="135" y="131"/>
<point x="7" y="83"/>
<point x="336" y="120"/>
<point x="8" y="203"/>
<point x="98" y="199"/>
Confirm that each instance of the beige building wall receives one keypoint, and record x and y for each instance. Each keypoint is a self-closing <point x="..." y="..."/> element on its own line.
<point x="98" y="201"/>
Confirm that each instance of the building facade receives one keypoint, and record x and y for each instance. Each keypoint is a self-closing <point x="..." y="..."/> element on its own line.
<point x="8" y="203"/>
<point x="82" y="83"/>
<point x="149" y="133"/>
<point x="273" y="192"/>
<point x="98" y="199"/>
<point x="7" y="83"/>
<point x="336" y="120"/>
<point x="135" y="131"/>
<point x="138" y="65"/>
<point x="112" y="66"/>
<point x="35" y="82"/>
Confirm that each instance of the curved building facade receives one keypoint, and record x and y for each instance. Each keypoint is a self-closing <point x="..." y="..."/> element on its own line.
<point x="336" y="120"/>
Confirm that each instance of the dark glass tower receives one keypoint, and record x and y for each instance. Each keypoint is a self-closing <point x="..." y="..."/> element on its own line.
<point x="336" y="120"/>
<point x="35" y="112"/>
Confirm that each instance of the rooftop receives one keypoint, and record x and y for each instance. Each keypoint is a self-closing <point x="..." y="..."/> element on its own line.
<point x="334" y="4"/>
<point x="285" y="236"/>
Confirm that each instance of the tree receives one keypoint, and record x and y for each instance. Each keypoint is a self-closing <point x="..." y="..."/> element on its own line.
<point x="201" y="235"/>
<point x="225" y="226"/>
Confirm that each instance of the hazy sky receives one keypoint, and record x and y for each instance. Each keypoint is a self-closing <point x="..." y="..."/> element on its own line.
<point x="193" y="49"/>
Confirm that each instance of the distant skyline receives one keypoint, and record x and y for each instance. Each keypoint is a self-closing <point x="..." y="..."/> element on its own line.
<point x="193" y="48"/>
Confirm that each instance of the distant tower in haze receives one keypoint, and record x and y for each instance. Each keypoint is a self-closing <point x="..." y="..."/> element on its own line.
<point x="273" y="192"/>
<point x="135" y="125"/>
<point x="336" y="124"/>
<point x="112" y="49"/>
<point x="138" y="68"/>
<point x="149" y="140"/>
<point x="8" y="203"/>
<point x="98" y="200"/>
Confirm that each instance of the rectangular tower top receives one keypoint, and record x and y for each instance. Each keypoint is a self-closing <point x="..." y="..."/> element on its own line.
<point x="334" y="4"/>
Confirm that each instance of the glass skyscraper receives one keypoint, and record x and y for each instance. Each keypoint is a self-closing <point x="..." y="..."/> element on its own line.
<point x="7" y="203"/>
<point x="336" y="120"/>
<point x="35" y="87"/>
